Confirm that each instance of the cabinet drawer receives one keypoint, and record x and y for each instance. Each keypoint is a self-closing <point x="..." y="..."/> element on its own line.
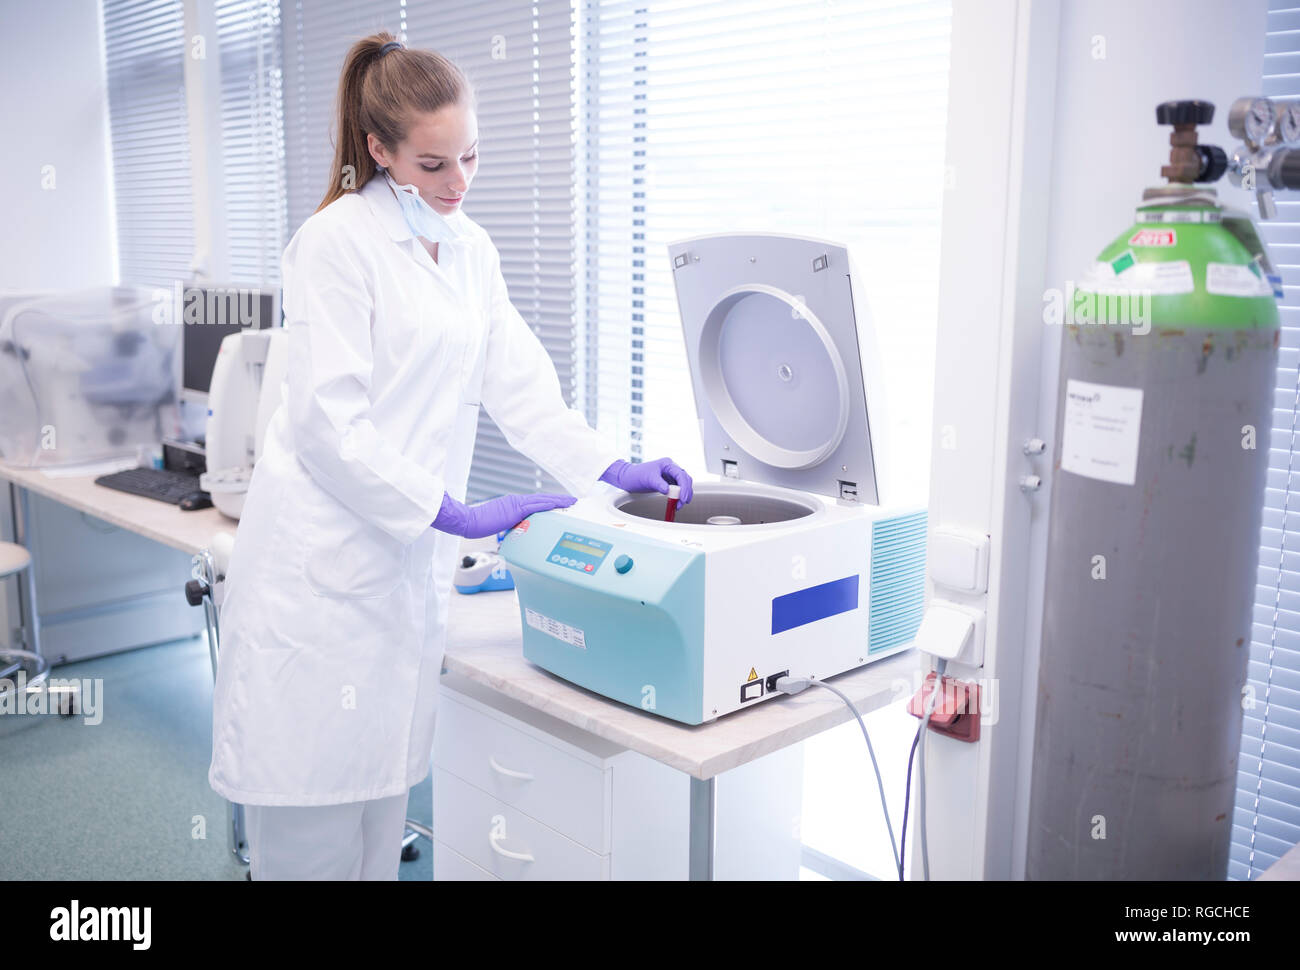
<point x="503" y="840"/>
<point x="553" y="786"/>
<point x="450" y="866"/>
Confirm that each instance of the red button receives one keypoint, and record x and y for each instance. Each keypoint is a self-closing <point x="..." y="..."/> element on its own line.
<point x="588" y="567"/>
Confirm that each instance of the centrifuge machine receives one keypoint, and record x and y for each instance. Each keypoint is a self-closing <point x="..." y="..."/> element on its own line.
<point x="784" y="561"/>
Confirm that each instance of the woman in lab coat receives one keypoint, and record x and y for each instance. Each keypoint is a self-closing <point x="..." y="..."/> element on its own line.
<point x="335" y="611"/>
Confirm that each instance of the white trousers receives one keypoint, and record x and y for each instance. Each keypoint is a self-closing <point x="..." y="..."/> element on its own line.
<point x="355" y="840"/>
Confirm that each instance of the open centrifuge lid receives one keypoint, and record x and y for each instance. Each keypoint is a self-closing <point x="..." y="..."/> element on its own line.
<point x="775" y="356"/>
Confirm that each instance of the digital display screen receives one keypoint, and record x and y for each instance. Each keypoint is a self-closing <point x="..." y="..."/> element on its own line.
<point x="584" y="549"/>
<point x="580" y="553"/>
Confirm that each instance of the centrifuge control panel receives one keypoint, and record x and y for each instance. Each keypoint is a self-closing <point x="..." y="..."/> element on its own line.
<point x="580" y="553"/>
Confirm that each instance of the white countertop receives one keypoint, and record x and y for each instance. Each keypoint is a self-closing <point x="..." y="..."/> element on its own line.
<point x="186" y="531"/>
<point x="485" y="644"/>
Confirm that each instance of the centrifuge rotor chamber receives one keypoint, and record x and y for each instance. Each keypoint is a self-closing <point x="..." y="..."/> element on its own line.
<point x="750" y="504"/>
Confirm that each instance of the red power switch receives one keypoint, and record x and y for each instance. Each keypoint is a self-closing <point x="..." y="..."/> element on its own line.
<point x="957" y="712"/>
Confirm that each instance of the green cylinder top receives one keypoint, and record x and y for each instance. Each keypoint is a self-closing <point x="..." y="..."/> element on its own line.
<point x="1196" y="265"/>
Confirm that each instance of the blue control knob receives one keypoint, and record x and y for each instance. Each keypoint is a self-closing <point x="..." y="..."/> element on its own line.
<point x="623" y="563"/>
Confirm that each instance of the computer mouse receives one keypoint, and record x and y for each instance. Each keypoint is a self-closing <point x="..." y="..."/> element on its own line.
<point x="194" y="501"/>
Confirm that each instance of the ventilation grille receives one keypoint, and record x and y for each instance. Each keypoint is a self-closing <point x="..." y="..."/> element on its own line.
<point x="897" y="580"/>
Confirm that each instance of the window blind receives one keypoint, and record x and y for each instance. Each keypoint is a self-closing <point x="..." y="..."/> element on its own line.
<point x="1266" y="820"/>
<point x="252" y="139"/>
<point x="518" y="55"/>
<point x="807" y="117"/>
<point x="144" y="54"/>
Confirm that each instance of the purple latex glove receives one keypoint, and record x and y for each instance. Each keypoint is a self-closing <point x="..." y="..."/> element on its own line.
<point x="495" y="515"/>
<point x="649" y="476"/>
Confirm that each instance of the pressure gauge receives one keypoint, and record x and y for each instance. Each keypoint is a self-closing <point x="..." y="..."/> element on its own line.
<point x="1288" y="122"/>
<point x="1251" y="119"/>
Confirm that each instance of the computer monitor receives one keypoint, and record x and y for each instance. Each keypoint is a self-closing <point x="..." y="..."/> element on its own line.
<point x="210" y="313"/>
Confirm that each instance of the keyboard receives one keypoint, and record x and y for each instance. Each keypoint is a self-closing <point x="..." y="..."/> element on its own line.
<point x="155" y="483"/>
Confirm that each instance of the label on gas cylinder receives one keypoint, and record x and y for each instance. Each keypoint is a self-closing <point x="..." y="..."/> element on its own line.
<point x="1172" y="276"/>
<point x="1235" y="279"/>
<point x="1154" y="237"/>
<point x="1101" y="429"/>
<point x="1178" y="215"/>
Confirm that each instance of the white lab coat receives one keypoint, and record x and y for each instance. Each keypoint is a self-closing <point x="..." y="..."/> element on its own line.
<point x="334" y="618"/>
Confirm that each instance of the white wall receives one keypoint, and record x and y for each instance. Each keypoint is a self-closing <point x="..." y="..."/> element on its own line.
<point x="54" y="111"/>
<point x="54" y="108"/>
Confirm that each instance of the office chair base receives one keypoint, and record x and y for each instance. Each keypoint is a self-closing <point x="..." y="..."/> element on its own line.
<point x="414" y="830"/>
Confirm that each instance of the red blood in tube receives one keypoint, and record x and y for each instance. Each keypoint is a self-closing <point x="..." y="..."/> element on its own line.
<point x="671" y="514"/>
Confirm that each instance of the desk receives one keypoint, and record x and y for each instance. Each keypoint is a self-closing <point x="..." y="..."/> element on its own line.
<point x="485" y="645"/>
<point x="188" y="532"/>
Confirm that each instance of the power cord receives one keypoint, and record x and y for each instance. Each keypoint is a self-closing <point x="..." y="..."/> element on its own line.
<point x="941" y="666"/>
<point x="793" y="685"/>
<point x="907" y="793"/>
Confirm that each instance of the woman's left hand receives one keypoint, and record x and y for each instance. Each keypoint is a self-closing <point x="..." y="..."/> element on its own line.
<point x="649" y="476"/>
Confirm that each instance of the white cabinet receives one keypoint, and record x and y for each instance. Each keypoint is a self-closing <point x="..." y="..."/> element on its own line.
<point x="451" y="866"/>
<point x="564" y="789"/>
<point x="502" y="840"/>
<point x="520" y="795"/>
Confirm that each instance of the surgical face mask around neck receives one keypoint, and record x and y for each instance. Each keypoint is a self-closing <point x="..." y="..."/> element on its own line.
<point x="421" y="218"/>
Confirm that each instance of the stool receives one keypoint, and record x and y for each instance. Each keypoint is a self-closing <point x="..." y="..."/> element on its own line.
<point x="15" y="559"/>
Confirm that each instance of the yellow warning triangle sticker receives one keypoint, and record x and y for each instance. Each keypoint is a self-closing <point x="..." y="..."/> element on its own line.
<point x="753" y="674"/>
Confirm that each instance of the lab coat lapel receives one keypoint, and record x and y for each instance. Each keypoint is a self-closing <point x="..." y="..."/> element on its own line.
<point x="420" y="254"/>
<point x="379" y="195"/>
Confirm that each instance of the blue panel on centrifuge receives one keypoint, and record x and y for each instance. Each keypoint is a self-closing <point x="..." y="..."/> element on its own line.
<point x="814" y="603"/>
<point x="577" y="552"/>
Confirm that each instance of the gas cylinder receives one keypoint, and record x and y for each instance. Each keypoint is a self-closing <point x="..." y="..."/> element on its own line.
<point x="1168" y="363"/>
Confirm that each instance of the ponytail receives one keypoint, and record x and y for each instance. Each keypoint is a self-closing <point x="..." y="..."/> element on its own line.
<point x="382" y="86"/>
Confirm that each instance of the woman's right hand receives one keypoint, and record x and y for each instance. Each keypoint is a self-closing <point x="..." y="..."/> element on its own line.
<point x="495" y="515"/>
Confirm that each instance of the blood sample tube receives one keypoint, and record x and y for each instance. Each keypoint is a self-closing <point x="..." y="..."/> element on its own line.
<point x="674" y="493"/>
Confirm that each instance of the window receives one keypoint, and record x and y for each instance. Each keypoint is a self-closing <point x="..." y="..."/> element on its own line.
<point x="1266" y="822"/>
<point x="145" y="55"/>
<point x="252" y="139"/>
<point x="808" y="117"/>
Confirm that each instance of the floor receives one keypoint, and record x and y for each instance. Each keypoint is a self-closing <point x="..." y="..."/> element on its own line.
<point x="128" y="797"/>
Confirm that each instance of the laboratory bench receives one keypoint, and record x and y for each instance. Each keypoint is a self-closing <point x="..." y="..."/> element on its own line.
<point x="81" y="536"/>
<point x="188" y="532"/>
<point x="535" y="778"/>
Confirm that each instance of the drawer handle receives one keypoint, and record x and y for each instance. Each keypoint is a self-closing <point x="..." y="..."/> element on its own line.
<point x="509" y="773"/>
<point x="521" y="856"/>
